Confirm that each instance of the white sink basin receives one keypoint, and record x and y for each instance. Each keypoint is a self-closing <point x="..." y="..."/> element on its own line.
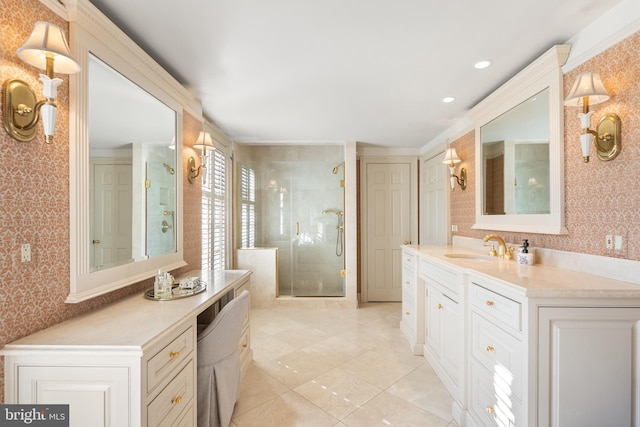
<point x="477" y="257"/>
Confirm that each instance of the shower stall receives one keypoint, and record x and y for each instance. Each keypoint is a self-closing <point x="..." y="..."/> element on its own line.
<point x="292" y="197"/>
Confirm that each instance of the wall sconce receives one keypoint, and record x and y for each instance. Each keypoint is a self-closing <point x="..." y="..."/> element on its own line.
<point x="588" y="89"/>
<point x="47" y="49"/>
<point x="451" y="158"/>
<point x="203" y="142"/>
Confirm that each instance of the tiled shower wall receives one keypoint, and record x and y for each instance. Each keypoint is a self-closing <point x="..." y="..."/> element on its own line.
<point x="34" y="202"/>
<point x="600" y="197"/>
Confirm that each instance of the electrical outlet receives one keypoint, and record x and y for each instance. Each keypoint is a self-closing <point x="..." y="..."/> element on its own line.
<point x="25" y="250"/>
<point x="609" y="241"/>
<point x="454" y="228"/>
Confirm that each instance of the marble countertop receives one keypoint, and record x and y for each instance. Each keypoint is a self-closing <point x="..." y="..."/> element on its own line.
<point x="530" y="280"/>
<point x="133" y="322"/>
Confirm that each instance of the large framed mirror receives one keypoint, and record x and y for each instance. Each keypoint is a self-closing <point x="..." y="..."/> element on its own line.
<point x="125" y="160"/>
<point x="519" y="151"/>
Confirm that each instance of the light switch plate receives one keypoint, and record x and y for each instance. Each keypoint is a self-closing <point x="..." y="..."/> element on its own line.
<point x="25" y="251"/>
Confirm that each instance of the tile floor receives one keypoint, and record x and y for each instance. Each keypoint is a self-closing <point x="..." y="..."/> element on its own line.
<point x="335" y="367"/>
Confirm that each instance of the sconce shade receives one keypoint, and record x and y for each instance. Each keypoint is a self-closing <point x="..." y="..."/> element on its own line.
<point x="451" y="156"/>
<point x="589" y="85"/>
<point x="48" y="40"/>
<point x="203" y="142"/>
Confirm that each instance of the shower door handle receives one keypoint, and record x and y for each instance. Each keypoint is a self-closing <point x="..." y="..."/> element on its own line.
<point x="297" y="228"/>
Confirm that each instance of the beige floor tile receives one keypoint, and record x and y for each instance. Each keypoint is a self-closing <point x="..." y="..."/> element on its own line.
<point x="335" y="351"/>
<point x="424" y="389"/>
<point x="337" y="392"/>
<point x="377" y="369"/>
<point x="388" y="410"/>
<point x="337" y="367"/>
<point x="257" y="388"/>
<point x="289" y="409"/>
<point x="266" y="348"/>
<point x="301" y="337"/>
<point x="295" y="368"/>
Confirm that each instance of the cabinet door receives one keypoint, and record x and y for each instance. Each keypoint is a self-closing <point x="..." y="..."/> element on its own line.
<point x="588" y="367"/>
<point x="435" y="306"/>
<point x="97" y="396"/>
<point x="452" y="338"/>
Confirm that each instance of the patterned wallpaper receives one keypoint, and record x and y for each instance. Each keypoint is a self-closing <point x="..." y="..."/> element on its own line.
<point x="32" y="294"/>
<point x="600" y="197"/>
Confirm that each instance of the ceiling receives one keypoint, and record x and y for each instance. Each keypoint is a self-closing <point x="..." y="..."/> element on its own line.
<point x="372" y="71"/>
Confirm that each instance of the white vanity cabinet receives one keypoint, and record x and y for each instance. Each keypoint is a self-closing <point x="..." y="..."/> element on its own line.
<point x="412" y="323"/>
<point x="444" y="323"/>
<point x="589" y="366"/>
<point x="496" y="355"/>
<point x="132" y="363"/>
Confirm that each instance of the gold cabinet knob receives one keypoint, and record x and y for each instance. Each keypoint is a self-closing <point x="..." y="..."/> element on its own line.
<point x="489" y="409"/>
<point x="176" y="400"/>
<point x="174" y="354"/>
<point x="440" y="306"/>
<point x="490" y="349"/>
<point x="407" y="313"/>
<point x="407" y="283"/>
<point x="490" y="303"/>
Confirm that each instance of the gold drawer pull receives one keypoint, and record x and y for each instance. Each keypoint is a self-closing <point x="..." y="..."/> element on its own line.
<point x="406" y="283"/>
<point x="244" y="345"/>
<point x="407" y="313"/>
<point x="489" y="409"/>
<point x="176" y="400"/>
<point x="174" y="354"/>
<point x="490" y="303"/>
<point x="490" y="349"/>
<point x="440" y="306"/>
<point x="408" y="259"/>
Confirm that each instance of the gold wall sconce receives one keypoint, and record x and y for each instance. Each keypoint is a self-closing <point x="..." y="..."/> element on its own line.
<point x="588" y="89"/>
<point x="203" y="143"/>
<point x="47" y="49"/>
<point x="451" y="158"/>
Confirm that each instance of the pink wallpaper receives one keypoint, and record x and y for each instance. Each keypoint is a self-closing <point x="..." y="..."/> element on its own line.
<point x="600" y="197"/>
<point x="34" y="202"/>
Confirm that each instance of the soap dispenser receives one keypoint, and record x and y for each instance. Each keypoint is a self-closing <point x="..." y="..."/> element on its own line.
<point x="525" y="257"/>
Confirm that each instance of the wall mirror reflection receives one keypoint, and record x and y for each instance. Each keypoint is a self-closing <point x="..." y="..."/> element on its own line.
<point x="132" y="168"/>
<point x="515" y="156"/>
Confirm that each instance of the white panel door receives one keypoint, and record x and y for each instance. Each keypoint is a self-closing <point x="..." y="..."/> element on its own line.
<point x="112" y="215"/>
<point x="433" y="203"/>
<point x="389" y="218"/>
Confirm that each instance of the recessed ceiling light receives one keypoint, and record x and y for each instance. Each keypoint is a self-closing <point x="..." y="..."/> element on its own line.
<point x="448" y="99"/>
<point x="482" y="64"/>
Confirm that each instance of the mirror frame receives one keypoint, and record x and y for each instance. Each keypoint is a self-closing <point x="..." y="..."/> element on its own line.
<point x="544" y="72"/>
<point x="91" y="31"/>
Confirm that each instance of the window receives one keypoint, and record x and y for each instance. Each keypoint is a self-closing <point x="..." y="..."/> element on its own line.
<point x="214" y="212"/>
<point x="247" y="207"/>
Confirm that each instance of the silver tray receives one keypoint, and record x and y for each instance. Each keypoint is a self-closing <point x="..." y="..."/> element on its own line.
<point x="176" y="292"/>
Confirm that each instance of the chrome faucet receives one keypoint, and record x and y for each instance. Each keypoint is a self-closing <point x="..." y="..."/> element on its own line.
<point x="503" y="252"/>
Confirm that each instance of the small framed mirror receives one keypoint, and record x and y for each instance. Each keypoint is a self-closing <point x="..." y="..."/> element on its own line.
<point x="520" y="151"/>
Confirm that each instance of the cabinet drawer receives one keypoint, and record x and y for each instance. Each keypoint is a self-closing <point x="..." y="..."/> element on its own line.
<point x="408" y="284"/>
<point x="408" y="261"/>
<point x="430" y="272"/>
<point x="161" y="365"/>
<point x="490" y="405"/>
<point x="244" y="344"/>
<point x="187" y="419"/>
<point x="499" y="352"/>
<point x="501" y="308"/>
<point x="173" y="399"/>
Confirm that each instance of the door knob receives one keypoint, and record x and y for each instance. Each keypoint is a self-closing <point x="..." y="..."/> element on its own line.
<point x="96" y="242"/>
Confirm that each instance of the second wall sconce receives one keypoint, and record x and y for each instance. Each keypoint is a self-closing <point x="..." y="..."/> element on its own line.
<point x="451" y="158"/>
<point x="203" y="143"/>
<point x="588" y="89"/>
<point x="47" y="49"/>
